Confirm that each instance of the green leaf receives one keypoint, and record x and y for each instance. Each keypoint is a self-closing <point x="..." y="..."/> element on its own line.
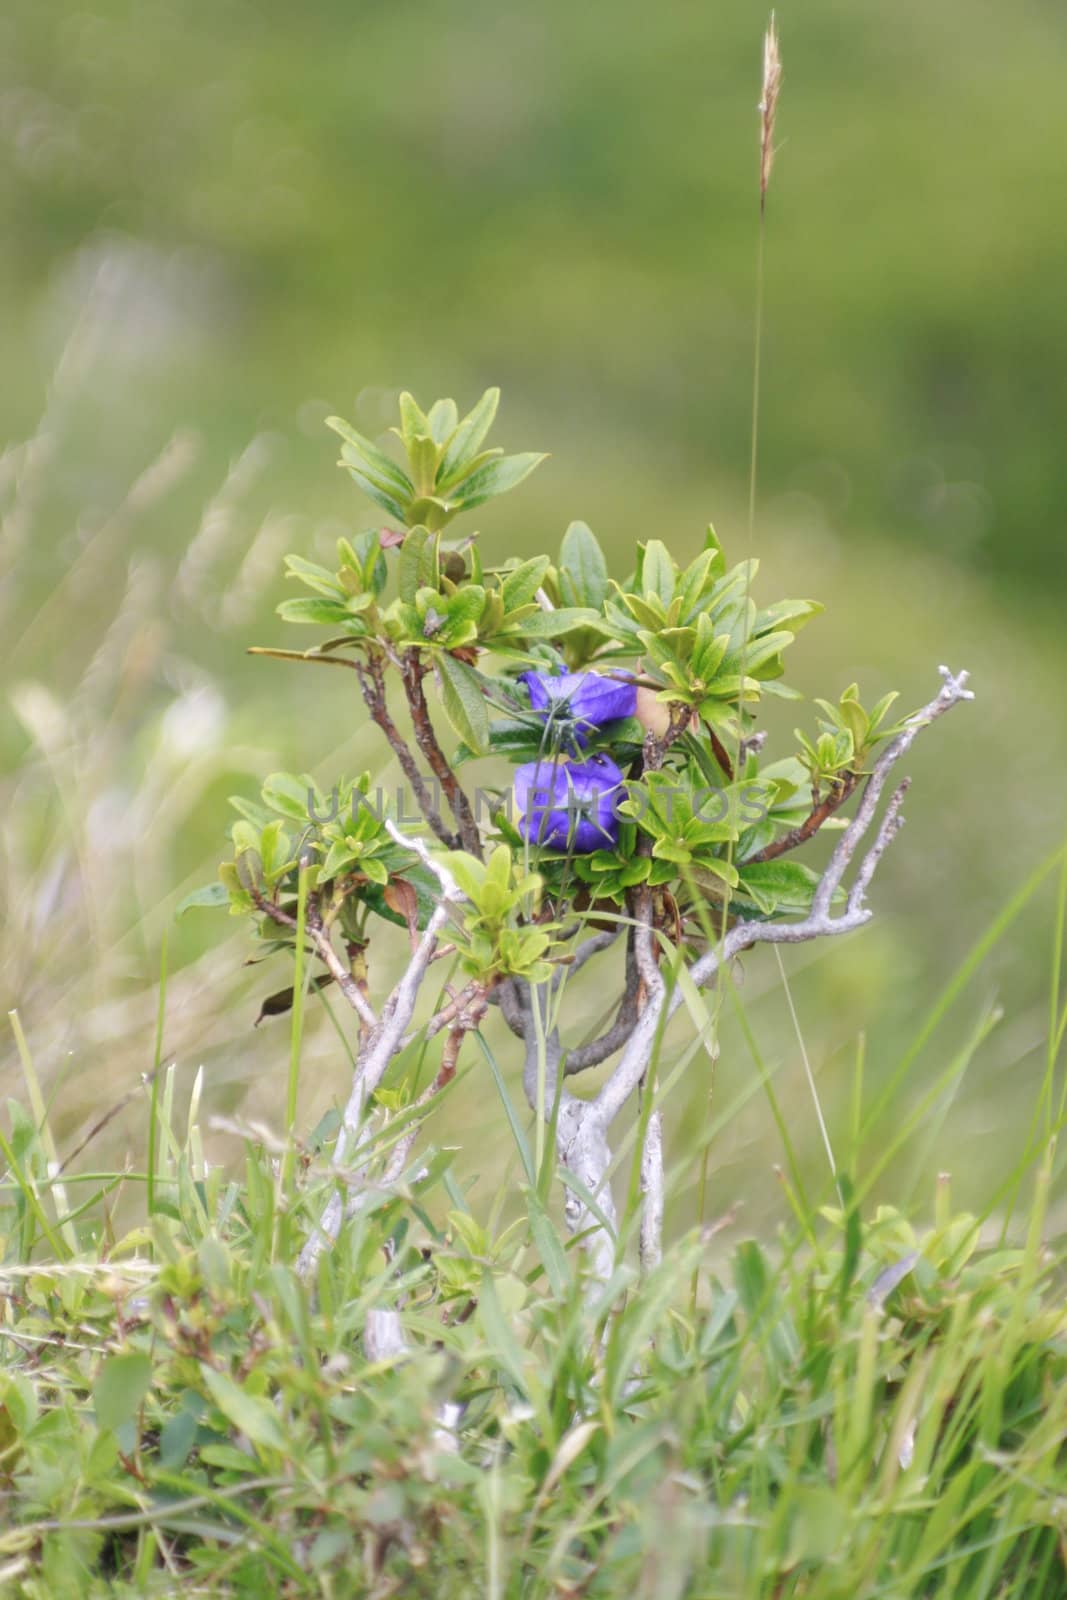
<point x="309" y="609"/>
<point x="468" y="873"/>
<point x="249" y="1413"/>
<point x="443" y="418"/>
<point x="520" y="586"/>
<point x="778" y="885"/>
<point x="314" y="576"/>
<point x="416" y="566"/>
<point x="583" y="577"/>
<point x="245" y="837"/>
<point x="554" y="624"/>
<point x="791" y="613"/>
<point x="288" y="794"/>
<point x="467" y="439"/>
<point x="464" y="702"/>
<point x="413" y="420"/>
<point x="657" y="571"/>
<point x="422" y="454"/>
<point x="385" y="498"/>
<point x="275" y="850"/>
<point x="120" y="1386"/>
<point x="370" y="563"/>
<point x="695" y="579"/>
<point x="758" y="652"/>
<point x="211" y="894"/>
<point x="463" y="611"/>
<point x="879" y="710"/>
<point x="781" y="691"/>
<point x="850" y="1258"/>
<point x="496" y="477"/>
<point x="509" y="736"/>
<point x="340" y="855"/>
<point x="710" y="872"/>
<point x="371" y="462"/>
<point x="498" y="1328"/>
<point x="649" y="612"/>
<point x="176" y="1439"/>
<point x="498" y="867"/>
<point x="549" y="1248"/>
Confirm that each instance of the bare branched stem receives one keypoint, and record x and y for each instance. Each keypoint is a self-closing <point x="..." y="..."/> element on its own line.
<point x="651" y="1171"/>
<point x="652" y="1193"/>
<point x="384" y="1042"/>
<point x="582" y="1148"/>
<point x="597" y="1051"/>
<point x="383" y="1336"/>
<point x="821" y="922"/>
<point x="513" y="999"/>
<point x="892" y="822"/>
<point x="953" y="690"/>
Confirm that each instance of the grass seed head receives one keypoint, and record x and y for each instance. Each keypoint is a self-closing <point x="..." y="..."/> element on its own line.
<point x="768" y="106"/>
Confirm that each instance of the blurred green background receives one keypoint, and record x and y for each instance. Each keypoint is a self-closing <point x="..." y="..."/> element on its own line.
<point x="225" y="220"/>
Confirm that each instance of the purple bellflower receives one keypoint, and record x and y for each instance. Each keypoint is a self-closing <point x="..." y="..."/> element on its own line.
<point x="569" y="805"/>
<point x="580" y="701"/>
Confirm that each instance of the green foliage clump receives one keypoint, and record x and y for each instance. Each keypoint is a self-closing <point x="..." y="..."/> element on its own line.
<point x="868" y="1408"/>
<point x="700" y="815"/>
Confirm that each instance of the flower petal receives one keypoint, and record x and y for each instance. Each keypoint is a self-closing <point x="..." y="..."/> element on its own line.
<point x="569" y="804"/>
<point x="589" y="698"/>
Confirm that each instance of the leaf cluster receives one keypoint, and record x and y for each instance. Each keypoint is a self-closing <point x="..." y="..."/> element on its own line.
<point x="499" y="933"/>
<point x="847" y="736"/>
<point x="447" y="469"/>
<point x="710" y="820"/>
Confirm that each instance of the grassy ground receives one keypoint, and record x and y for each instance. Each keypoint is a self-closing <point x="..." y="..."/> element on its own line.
<point x="865" y="1405"/>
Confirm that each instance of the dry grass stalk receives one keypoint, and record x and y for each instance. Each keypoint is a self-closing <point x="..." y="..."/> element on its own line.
<point x="768" y="106"/>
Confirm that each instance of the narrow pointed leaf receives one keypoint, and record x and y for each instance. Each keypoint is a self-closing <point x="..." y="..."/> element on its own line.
<point x="467" y="439"/>
<point x="496" y="477"/>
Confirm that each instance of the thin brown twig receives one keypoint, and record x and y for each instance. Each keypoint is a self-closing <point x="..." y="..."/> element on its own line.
<point x="657" y="745"/>
<point x="325" y="952"/>
<point x="811" y="824"/>
<point x="372" y="683"/>
<point x="721" y="755"/>
<point x="457" y="1007"/>
<point x="467" y="1020"/>
<point x="413" y="671"/>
